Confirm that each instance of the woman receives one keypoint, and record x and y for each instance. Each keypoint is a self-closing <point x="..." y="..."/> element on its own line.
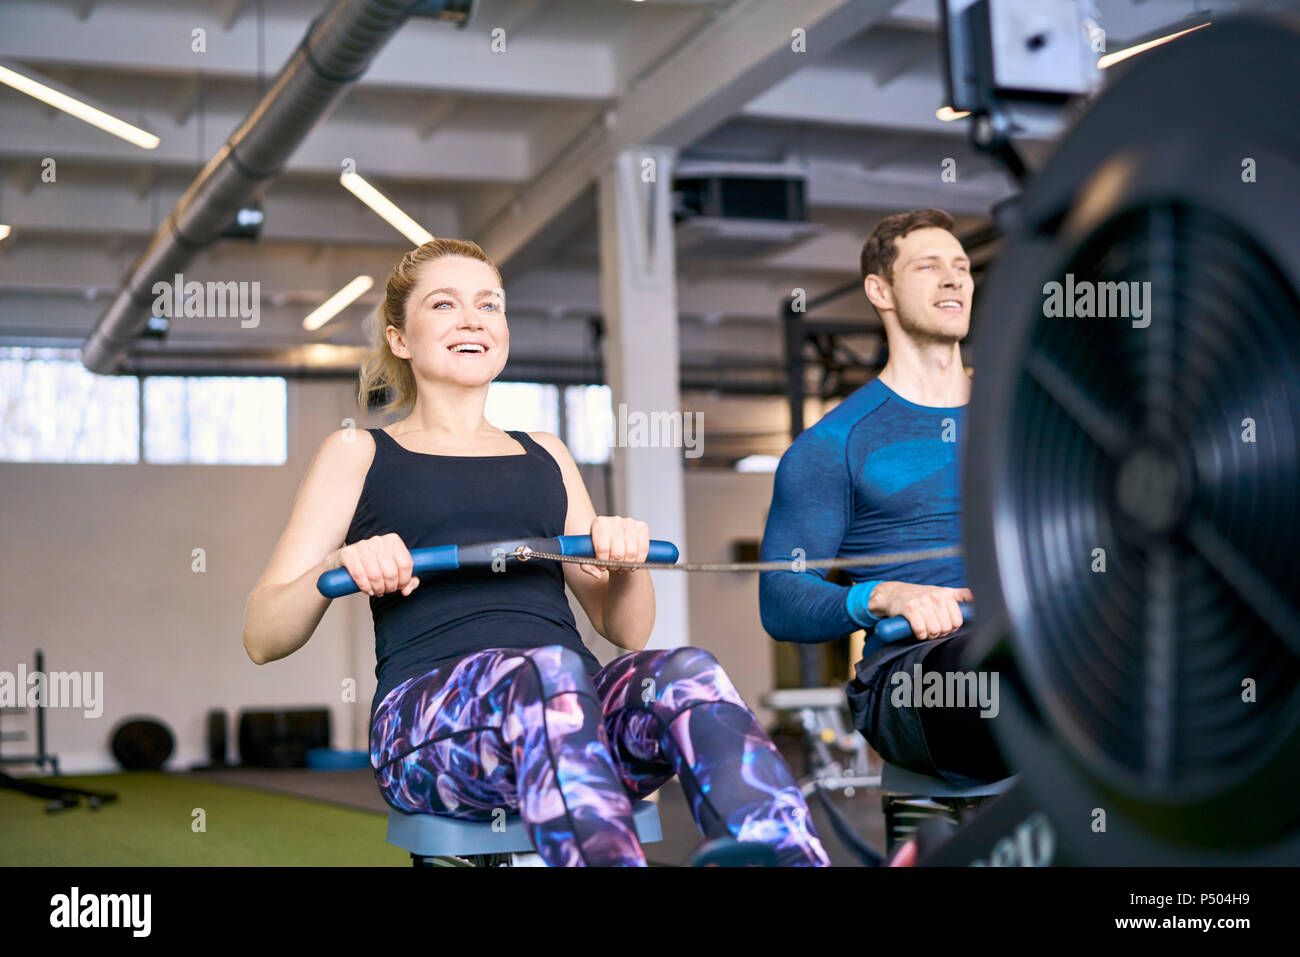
<point x="487" y="697"/>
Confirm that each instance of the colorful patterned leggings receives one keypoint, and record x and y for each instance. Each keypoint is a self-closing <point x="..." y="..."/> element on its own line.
<point x="528" y="729"/>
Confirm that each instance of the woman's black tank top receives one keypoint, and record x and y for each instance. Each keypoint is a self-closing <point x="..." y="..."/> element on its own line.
<point x="458" y="500"/>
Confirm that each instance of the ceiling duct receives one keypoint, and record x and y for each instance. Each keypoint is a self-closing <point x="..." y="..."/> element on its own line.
<point x="739" y="210"/>
<point x="336" y="50"/>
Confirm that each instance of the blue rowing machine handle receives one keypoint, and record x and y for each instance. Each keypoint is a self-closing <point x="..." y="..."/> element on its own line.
<point x="442" y="558"/>
<point x="897" y="628"/>
<point x="580" y="546"/>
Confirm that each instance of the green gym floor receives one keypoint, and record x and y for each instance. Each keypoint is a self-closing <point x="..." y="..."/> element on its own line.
<point x="296" y="817"/>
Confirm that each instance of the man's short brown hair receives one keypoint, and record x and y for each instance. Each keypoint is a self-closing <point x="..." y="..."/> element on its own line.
<point x="879" y="251"/>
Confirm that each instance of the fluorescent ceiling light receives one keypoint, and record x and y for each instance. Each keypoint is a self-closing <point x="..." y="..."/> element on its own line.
<point x="336" y="303"/>
<point x="78" y="108"/>
<point x="386" y="208"/>
<point x="1112" y="58"/>
<point x="4" y="231"/>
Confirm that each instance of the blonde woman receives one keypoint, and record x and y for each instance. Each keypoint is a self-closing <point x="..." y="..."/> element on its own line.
<point x="487" y="697"/>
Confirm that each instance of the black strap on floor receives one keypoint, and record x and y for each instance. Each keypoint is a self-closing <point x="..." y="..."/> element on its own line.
<point x="62" y="796"/>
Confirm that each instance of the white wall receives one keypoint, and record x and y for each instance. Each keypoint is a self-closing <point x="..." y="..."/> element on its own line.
<point x="722" y="507"/>
<point x="95" y="569"/>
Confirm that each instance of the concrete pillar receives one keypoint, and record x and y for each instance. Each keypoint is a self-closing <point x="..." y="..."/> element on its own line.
<point x="638" y="280"/>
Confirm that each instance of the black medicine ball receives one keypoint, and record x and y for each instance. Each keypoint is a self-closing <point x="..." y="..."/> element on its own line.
<point x="142" y="744"/>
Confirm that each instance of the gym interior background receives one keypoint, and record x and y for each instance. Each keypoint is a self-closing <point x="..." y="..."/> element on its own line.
<point x="141" y="506"/>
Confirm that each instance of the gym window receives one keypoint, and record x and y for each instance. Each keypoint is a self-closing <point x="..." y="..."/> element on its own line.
<point x="217" y="420"/>
<point x="589" y="410"/>
<point x="523" y="407"/>
<point x="55" y="410"/>
<point x="586" y="421"/>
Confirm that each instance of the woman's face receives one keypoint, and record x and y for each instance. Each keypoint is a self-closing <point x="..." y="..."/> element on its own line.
<point x="455" y="323"/>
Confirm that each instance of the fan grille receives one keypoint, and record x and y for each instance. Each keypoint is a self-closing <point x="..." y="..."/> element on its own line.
<point x="1132" y="440"/>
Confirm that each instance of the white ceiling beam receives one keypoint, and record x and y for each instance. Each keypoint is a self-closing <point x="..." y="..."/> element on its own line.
<point x="292" y="274"/>
<point x="303" y="211"/>
<point x="577" y="288"/>
<point x="745" y="49"/>
<point x="519" y="14"/>
<point x="184" y="100"/>
<point x="906" y="52"/>
<point x="300" y="211"/>
<point x="46" y="215"/>
<point x="473" y="155"/>
<point x="1126" y="20"/>
<point x="230" y="11"/>
<point x="439" y="111"/>
<point x="829" y="95"/>
<point x="664" y="3"/>
<point x="423" y="55"/>
<point x="24" y="176"/>
<point x="844" y="187"/>
<point x="33" y="313"/>
<point x="481" y="205"/>
<point x="888" y="151"/>
<point x="915" y="15"/>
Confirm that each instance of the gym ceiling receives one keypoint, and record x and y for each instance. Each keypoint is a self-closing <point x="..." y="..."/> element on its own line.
<point x="492" y="146"/>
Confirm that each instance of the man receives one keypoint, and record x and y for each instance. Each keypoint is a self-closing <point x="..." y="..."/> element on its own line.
<point x="881" y="473"/>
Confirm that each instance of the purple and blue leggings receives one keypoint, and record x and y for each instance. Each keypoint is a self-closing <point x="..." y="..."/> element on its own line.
<point x="528" y="729"/>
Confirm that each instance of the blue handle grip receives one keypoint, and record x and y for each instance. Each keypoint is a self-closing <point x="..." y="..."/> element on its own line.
<point x="580" y="546"/>
<point x="443" y="558"/>
<point x="439" y="558"/>
<point x="897" y="628"/>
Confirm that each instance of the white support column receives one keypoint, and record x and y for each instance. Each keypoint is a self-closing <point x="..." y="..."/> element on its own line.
<point x="638" y="281"/>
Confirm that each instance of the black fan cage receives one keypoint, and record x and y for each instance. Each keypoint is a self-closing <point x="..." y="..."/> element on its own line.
<point x="1169" y="443"/>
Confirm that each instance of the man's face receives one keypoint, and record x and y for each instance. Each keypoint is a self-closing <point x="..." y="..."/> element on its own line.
<point x="932" y="286"/>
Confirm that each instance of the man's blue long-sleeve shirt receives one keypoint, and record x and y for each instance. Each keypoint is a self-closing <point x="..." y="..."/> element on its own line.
<point x="876" y="474"/>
